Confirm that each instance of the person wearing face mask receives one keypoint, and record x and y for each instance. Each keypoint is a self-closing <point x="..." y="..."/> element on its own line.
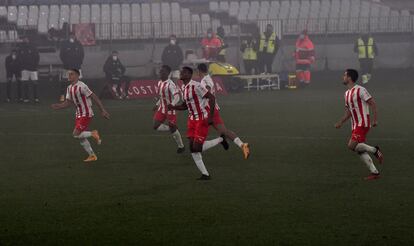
<point x="114" y="73"/>
<point x="13" y="69"/>
<point x="173" y="57"/>
<point x="304" y="56"/>
<point x="71" y="55"/>
<point x="29" y="60"/>
<point x="211" y="45"/>
<point x="268" y="48"/>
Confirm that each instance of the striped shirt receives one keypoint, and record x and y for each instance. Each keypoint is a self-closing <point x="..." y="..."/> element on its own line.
<point x="194" y="94"/>
<point x="79" y="94"/>
<point x="356" y="100"/>
<point x="169" y="94"/>
<point x="207" y="81"/>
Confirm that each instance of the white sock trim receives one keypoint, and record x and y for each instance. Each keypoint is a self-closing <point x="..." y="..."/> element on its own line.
<point x="177" y="137"/>
<point x="238" y="142"/>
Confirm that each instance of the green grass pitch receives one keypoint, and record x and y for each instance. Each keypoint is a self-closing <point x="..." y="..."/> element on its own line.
<point x="301" y="185"/>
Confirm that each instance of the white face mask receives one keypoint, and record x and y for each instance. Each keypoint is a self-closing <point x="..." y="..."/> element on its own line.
<point x="14" y="56"/>
<point x="114" y="58"/>
<point x="71" y="40"/>
<point x="302" y="36"/>
<point x="173" y="42"/>
<point x="209" y="35"/>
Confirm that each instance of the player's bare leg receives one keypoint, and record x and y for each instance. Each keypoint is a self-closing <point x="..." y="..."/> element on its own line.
<point x="364" y="150"/>
<point x="175" y="133"/>
<point x="83" y="137"/>
<point x="222" y="130"/>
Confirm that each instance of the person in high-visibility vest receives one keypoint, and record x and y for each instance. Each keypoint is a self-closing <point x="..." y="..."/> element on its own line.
<point x="222" y="52"/>
<point x="268" y="47"/>
<point x="304" y="56"/>
<point x="366" y="48"/>
<point x="249" y="48"/>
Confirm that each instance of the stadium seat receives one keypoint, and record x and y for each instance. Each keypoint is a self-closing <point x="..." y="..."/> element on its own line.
<point x="196" y="25"/>
<point x="186" y="22"/>
<point x="126" y="20"/>
<point x="12" y="14"/>
<point x="176" y="18"/>
<point x="374" y="17"/>
<point x="274" y="10"/>
<point x="146" y="19"/>
<point x="166" y="19"/>
<point x="43" y="19"/>
<point x="284" y="10"/>
<point x="136" y="20"/>
<point x="264" y="10"/>
<point x="234" y="8"/>
<point x="33" y="15"/>
<point x="64" y="15"/>
<point x="213" y="6"/>
<point x="156" y="19"/>
<point x="253" y="11"/>
<point x="116" y="21"/>
<point x="243" y="10"/>
<point x="105" y="26"/>
<point x="215" y="23"/>
<point x="95" y="13"/>
<point x="205" y="23"/>
<point x="223" y="6"/>
<point x="54" y="13"/>
<point x="23" y="16"/>
<point x="363" y="25"/>
<point x="74" y="14"/>
<point x="3" y="12"/>
<point x="85" y="16"/>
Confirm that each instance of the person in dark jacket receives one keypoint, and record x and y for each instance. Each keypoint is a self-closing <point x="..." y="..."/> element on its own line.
<point x="13" y="69"/>
<point x="71" y="55"/>
<point x="29" y="60"/>
<point x="114" y="73"/>
<point x="173" y="57"/>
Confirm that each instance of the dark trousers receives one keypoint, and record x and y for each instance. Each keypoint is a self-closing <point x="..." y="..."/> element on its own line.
<point x="266" y="62"/>
<point x="9" y="85"/>
<point x="26" y="85"/>
<point x="250" y="67"/>
<point x="366" y="65"/>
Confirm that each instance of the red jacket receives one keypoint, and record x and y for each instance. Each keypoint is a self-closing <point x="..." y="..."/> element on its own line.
<point x="211" y="47"/>
<point x="305" y="51"/>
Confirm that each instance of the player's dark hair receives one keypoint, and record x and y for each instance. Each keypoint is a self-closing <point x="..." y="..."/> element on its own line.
<point x="189" y="69"/>
<point x="75" y="70"/>
<point x="166" y="67"/>
<point x="353" y="74"/>
<point x="202" y="67"/>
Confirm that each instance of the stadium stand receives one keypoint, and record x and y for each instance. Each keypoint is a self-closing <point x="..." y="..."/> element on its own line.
<point x="147" y="19"/>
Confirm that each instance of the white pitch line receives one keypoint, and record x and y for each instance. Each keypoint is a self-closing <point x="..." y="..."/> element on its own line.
<point x="166" y="135"/>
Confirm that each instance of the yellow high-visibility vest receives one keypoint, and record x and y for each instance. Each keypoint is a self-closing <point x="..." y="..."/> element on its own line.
<point x="271" y="44"/>
<point x="366" y="50"/>
<point x="222" y="51"/>
<point x="249" y="54"/>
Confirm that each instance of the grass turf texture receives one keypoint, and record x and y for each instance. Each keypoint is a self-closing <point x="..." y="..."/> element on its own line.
<point x="300" y="187"/>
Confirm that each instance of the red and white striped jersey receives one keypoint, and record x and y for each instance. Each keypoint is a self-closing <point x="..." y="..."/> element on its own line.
<point x="79" y="94"/>
<point x="194" y="94"/>
<point x="356" y="101"/>
<point x="169" y="94"/>
<point x="207" y="81"/>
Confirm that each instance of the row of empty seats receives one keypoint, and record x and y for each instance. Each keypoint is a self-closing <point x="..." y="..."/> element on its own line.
<point x="114" y="20"/>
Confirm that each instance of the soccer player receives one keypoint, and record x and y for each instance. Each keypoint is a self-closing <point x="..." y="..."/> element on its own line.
<point x="79" y="95"/>
<point x="357" y="104"/>
<point x="199" y="119"/>
<point x="168" y="94"/>
<point x="218" y="122"/>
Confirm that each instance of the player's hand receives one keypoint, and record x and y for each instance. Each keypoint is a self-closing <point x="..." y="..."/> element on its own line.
<point x="375" y="123"/>
<point x="105" y="114"/>
<point x="55" y="106"/>
<point x="338" y="125"/>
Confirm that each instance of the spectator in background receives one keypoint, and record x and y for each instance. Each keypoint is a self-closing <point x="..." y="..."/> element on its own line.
<point x="29" y="60"/>
<point x="268" y="48"/>
<point x="249" y="48"/>
<point x="210" y="45"/>
<point x="173" y="57"/>
<point x="114" y="73"/>
<point x="71" y="55"/>
<point x="367" y="49"/>
<point x="305" y="56"/>
<point x="221" y="57"/>
<point x="13" y="69"/>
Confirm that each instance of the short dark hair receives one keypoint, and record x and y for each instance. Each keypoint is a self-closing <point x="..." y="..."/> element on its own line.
<point x="189" y="69"/>
<point x="353" y="74"/>
<point x="166" y="67"/>
<point x="75" y="70"/>
<point x="202" y="67"/>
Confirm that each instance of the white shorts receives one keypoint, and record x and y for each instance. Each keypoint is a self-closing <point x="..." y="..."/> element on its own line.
<point x="65" y="74"/>
<point x="175" y="74"/>
<point x="29" y="75"/>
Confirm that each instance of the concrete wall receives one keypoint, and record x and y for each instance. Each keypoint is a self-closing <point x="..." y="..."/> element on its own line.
<point x="395" y="52"/>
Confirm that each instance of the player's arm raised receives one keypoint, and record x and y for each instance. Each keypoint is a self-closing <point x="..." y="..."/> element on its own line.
<point x="373" y="105"/>
<point x="96" y="99"/>
<point x="344" y="118"/>
<point x="67" y="103"/>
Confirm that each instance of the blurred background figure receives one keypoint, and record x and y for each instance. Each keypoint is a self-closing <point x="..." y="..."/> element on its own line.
<point x="366" y="48"/>
<point x="173" y="57"/>
<point x="268" y="48"/>
<point x="211" y="45"/>
<point x="13" y="69"/>
<point x="114" y="73"/>
<point x="71" y="55"/>
<point x="221" y="57"/>
<point x="29" y="60"/>
<point x="304" y="56"/>
<point x="249" y="48"/>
